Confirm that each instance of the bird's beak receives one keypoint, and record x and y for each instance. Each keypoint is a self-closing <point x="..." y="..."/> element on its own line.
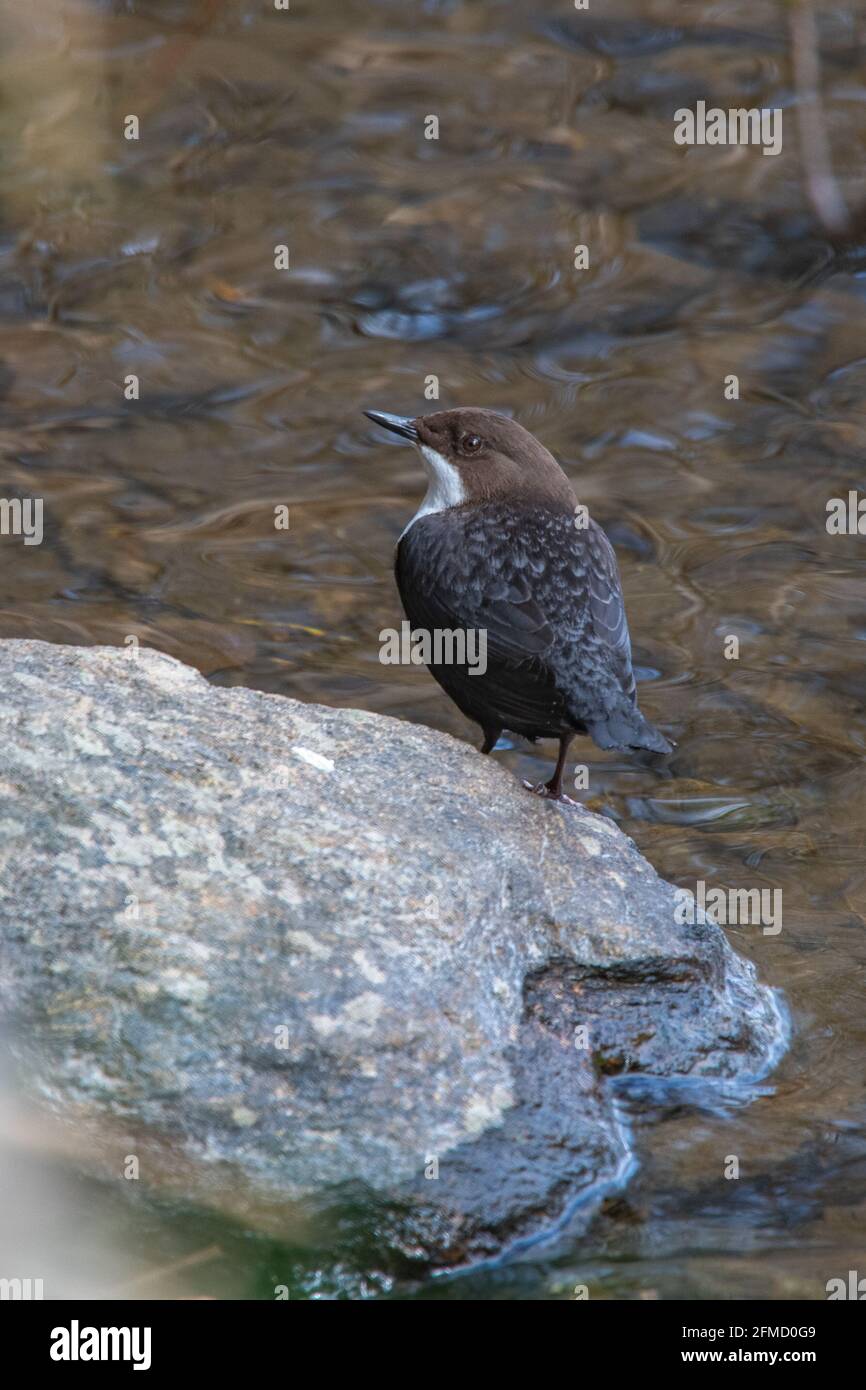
<point x="397" y="424"/>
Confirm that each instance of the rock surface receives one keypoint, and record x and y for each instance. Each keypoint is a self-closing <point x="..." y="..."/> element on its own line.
<point x="287" y="952"/>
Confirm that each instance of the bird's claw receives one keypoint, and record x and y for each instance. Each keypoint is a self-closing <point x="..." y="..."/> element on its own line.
<point x="542" y="789"/>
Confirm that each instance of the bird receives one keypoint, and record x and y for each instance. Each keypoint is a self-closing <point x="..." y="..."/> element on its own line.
<point x="500" y="545"/>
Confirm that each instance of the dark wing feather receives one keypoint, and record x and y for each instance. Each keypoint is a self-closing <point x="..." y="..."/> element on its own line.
<point x="548" y="596"/>
<point x="518" y="689"/>
<point x="549" y="599"/>
<point x="606" y="604"/>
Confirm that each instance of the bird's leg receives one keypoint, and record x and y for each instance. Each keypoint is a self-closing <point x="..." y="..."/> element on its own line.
<point x="491" y="738"/>
<point x="553" y="788"/>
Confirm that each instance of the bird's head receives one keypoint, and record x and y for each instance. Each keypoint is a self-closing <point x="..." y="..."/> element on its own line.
<point x="474" y="455"/>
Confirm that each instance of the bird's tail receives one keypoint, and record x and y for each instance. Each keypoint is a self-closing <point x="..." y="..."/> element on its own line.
<point x="628" y="729"/>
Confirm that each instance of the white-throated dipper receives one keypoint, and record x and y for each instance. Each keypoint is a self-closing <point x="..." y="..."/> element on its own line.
<point x="500" y="545"/>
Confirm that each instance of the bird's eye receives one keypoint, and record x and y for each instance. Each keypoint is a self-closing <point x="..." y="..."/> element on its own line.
<point x="470" y="443"/>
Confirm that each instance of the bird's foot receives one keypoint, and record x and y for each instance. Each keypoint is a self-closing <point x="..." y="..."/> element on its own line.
<point x="549" y="793"/>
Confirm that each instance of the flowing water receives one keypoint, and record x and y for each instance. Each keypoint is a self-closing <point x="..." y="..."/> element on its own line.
<point x="412" y="258"/>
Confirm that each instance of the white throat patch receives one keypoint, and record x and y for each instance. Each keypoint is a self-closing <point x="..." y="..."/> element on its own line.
<point x="444" y="489"/>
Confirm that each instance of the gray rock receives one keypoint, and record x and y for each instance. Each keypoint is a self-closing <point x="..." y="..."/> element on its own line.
<point x="285" y="952"/>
